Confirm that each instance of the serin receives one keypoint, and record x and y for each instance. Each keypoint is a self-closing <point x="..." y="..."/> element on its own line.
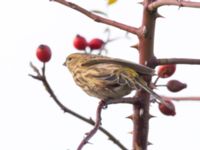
<point x="108" y="78"/>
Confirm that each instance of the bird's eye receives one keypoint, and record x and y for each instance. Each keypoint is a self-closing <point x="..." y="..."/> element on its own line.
<point x="69" y="59"/>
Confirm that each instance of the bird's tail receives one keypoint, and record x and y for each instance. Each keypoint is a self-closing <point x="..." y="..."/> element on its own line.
<point x="140" y="83"/>
<point x="134" y="81"/>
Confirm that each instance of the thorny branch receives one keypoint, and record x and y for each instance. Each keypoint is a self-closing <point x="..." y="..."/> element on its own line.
<point x="186" y="61"/>
<point x="41" y="77"/>
<point x="181" y="3"/>
<point x="100" y="19"/>
<point x="96" y="126"/>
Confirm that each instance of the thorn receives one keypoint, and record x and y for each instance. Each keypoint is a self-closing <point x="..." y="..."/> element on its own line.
<point x="159" y="15"/>
<point x="149" y="143"/>
<point x="136" y="46"/>
<point x="89" y="143"/>
<point x="87" y="135"/>
<point x="151" y="116"/>
<point x="91" y="120"/>
<point x="130" y="117"/>
<point x="131" y="132"/>
<point x="141" y="3"/>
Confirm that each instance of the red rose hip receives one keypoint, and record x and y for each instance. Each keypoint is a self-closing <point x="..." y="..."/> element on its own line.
<point x="80" y="42"/>
<point x="96" y="43"/>
<point x="166" y="71"/>
<point x="168" y="108"/>
<point x="43" y="53"/>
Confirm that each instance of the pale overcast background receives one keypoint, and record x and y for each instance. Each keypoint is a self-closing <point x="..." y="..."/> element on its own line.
<point x="30" y="120"/>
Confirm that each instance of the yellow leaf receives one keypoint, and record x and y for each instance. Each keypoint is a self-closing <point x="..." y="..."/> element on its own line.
<point x="110" y="2"/>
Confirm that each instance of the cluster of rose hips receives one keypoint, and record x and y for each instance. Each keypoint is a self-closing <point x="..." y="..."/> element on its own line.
<point x="80" y="43"/>
<point x="166" y="71"/>
<point x="43" y="52"/>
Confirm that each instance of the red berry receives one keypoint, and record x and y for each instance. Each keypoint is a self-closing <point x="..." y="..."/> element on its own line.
<point x="166" y="71"/>
<point x="43" y="53"/>
<point x="96" y="43"/>
<point x="167" y="108"/>
<point x="80" y="42"/>
<point x="175" y="85"/>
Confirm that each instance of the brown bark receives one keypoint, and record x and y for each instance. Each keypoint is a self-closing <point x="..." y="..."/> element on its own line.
<point x="141" y="110"/>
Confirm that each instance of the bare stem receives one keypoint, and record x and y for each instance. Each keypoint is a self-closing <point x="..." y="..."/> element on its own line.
<point x="183" y="98"/>
<point x="96" y="126"/>
<point x="155" y="82"/>
<point x="42" y="78"/>
<point x="97" y="18"/>
<point x="158" y="3"/>
<point x="177" y="61"/>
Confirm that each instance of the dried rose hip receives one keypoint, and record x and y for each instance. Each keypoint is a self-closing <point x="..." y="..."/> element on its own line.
<point x="175" y="85"/>
<point x="168" y="108"/>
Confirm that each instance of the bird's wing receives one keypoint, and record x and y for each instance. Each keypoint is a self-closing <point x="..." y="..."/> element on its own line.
<point x="105" y="71"/>
<point x="141" y="69"/>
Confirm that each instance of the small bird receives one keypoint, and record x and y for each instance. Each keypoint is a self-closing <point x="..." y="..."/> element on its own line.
<point x="108" y="78"/>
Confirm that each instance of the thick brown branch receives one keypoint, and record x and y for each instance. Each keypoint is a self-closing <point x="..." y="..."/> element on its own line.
<point x="43" y="79"/>
<point x="141" y="110"/>
<point x="158" y="3"/>
<point x="188" y="61"/>
<point x="141" y="121"/>
<point x="100" y="19"/>
<point x="125" y="100"/>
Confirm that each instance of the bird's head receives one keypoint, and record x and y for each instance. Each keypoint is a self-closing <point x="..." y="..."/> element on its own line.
<point x="75" y="60"/>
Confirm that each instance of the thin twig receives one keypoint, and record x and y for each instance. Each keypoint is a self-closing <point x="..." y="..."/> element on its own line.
<point x="43" y="70"/>
<point x="96" y="126"/>
<point x="183" y="98"/>
<point x="181" y="3"/>
<point x="186" y="61"/>
<point x="155" y="82"/>
<point x="42" y="78"/>
<point x="35" y="69"/>
<point x="100" y="19"/>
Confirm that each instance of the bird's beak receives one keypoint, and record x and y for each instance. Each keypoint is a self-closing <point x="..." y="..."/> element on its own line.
<point x="64" y="64"/>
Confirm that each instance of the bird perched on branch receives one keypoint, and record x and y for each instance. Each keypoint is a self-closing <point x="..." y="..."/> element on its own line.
<point x="108" y="78"/>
